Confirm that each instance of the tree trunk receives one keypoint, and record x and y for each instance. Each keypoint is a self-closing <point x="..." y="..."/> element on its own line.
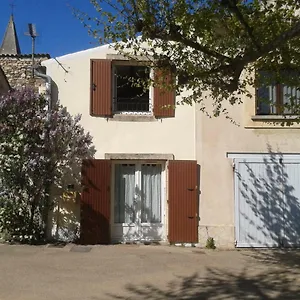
<point x="32" y="214"/>
<point x="46" y="209"/>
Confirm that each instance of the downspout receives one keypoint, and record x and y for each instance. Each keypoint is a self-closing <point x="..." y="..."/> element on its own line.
<point x="48" y="96"/>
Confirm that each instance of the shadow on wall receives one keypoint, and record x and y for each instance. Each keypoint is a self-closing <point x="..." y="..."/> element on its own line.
<point x="269" y="206"/>
<point x="54" y="92"/>
<point x="65" y="217"/>
<point x="141" y="211"/>
<point x="220" y="284"/>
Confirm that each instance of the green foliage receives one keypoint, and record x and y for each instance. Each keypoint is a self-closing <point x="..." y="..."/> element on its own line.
<point x="16" y="223"/>
<point x="210" y="243"/>
<point x="211" y="46"/>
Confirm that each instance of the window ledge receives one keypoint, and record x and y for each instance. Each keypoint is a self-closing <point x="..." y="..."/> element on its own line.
<point x="140" y="156"/>
<point x="275" y="117"/>
<point x="133" y="118"/>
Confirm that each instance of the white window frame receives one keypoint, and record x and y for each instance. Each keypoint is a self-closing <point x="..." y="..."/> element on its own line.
<point x="114" y="90"/>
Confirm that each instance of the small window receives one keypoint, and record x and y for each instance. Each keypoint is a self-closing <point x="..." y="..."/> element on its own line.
<point x="131" y="93"/>
<point x="278" y="94"/>
<point x="120" y="87"/>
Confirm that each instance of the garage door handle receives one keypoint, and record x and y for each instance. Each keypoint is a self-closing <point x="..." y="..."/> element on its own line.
<point x="190" y="217"/>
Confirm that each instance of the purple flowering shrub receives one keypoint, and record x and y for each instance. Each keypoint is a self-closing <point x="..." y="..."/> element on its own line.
<point x="37" y="151"/>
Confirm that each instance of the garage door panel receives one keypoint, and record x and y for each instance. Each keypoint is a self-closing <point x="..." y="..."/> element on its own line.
<point x="257" y="205"/>
<point x="267" y="189"/>
<point x="291" y="207"/>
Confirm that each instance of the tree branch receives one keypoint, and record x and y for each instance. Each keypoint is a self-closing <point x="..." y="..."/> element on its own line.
<point x="282" y="38"/>
<point x="233" y="7"/>
<point x="176" y="36"/>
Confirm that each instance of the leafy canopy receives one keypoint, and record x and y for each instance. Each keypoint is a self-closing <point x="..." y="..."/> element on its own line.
<point x="207" y="44"/>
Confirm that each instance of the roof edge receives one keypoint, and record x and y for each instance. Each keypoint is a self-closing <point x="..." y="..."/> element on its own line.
<point x="79" y="53"/>
<point x="26" y="55"/>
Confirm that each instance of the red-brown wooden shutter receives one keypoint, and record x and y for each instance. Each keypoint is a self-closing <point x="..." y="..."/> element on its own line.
<point x="164" y="100"/>
<point x="183" y="201"/>
<point x="101" y="87"/>
<point x="95" y="202"/>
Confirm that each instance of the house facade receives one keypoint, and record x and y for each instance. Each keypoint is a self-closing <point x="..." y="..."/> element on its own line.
<point x="174" y="175"/>
<point x="136" y="143"/>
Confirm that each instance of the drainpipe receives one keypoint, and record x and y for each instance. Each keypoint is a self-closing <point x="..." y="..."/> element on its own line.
<point x="48" y="95"/>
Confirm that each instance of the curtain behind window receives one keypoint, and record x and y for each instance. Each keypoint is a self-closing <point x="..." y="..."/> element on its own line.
<point x="151" y="194"/>
<point x="125" y="206"/>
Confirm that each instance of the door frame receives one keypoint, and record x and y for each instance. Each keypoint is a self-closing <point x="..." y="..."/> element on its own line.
<point x="114" y="226"/>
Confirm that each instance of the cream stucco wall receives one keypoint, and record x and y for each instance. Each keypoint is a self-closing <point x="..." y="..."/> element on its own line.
<point x="190" y="135"/>
<point x="169" y="135"/>
<point x="71" y="82"/>
<point x="216" y="137"/>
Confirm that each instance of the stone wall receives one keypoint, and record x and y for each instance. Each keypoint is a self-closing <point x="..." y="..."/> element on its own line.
<point x="18" y="70"/>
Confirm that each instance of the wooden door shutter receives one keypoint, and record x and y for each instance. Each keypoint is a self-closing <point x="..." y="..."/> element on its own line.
<point x="101" y="87"/>
<point x="183" y="201"/>
<point x="95" y="202"/>
<point x="164" y="100"/>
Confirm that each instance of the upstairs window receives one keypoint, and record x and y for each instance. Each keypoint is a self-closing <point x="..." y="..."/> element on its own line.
<point x="278" y="95"/>
<point x="130" y="91"/>
<point x="118" y="87"/>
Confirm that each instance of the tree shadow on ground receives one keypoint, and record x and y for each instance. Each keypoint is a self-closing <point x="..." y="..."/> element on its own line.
<point x="218" y="284"/>
<point x="64" y="218"/>
<point x="279" y="257"/>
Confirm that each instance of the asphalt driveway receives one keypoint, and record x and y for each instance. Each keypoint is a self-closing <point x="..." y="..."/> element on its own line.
<point x="146" y="272"/>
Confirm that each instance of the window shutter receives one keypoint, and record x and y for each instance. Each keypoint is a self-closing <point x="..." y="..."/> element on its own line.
<point x="164" y="100"/>
<point x="95" y="202"/>
<point x="183" y="201"/>
<point x="101" y="87"/>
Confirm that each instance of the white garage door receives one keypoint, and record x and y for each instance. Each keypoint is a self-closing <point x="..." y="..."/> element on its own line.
<point x="267" y="200"/>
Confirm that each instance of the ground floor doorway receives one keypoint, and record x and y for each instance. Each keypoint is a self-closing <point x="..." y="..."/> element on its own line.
<point x="127" y="201"/>
<point x="138" y="202"/>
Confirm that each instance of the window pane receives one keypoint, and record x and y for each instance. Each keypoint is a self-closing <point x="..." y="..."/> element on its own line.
<point x="291" y="96"/>
<point x="151" y="193"/>
<point x="131" y="94"/>
<point x="266" y="94"/>
<point x="266" y="100"/>
<point x="278" y="93"/>
<point x="125" y="206"/>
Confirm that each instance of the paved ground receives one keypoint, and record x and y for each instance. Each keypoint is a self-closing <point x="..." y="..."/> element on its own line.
<point x="146" y="272"/>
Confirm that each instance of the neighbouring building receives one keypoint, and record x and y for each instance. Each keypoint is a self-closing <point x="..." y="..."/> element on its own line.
<point x="17" y="66"/>
<point x="173" y="174"/>
<point x="4" y="85"/>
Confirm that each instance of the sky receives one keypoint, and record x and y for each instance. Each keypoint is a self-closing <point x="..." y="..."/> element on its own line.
<point x="60" y="32"/>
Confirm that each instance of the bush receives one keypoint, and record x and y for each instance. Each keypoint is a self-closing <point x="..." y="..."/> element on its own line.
<point x="210" y="243"/>
<point x="38" y="149"/>
<point x="16" y="224"/>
